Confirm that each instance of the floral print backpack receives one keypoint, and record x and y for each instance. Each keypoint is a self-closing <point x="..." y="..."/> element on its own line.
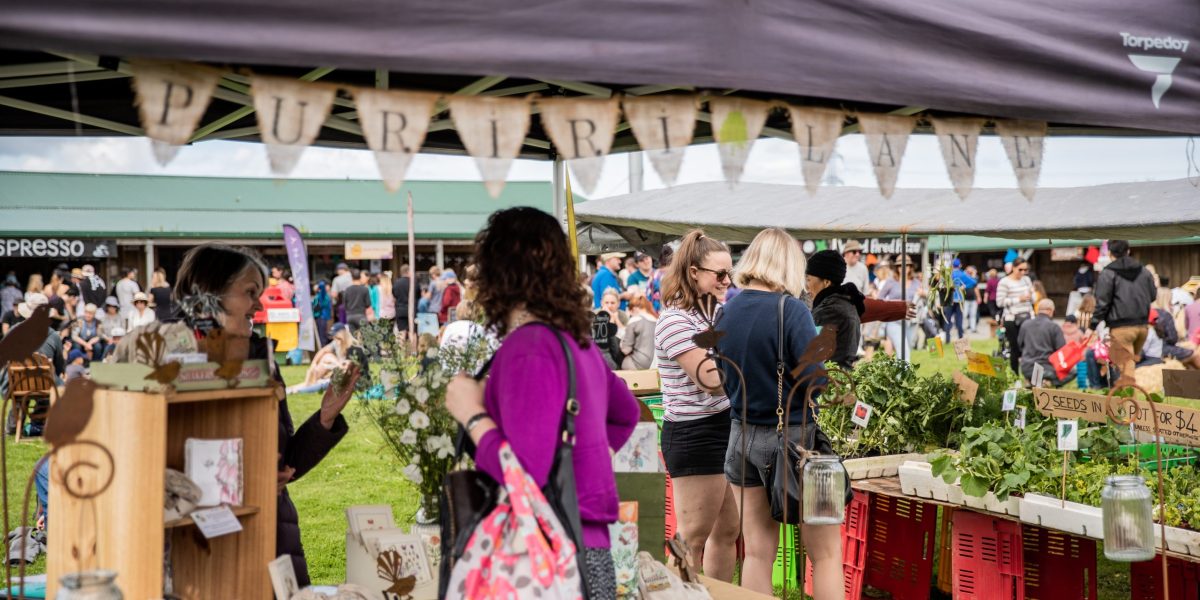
<point x="521" y="549"/>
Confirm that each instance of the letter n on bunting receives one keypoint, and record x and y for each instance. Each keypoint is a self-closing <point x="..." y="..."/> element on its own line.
<point x="816" y="131"/>
<point x="290" y="115"/>
<point x="736" y="123"/>
<point x="887" y="137"/>
<point x="959" y="138"/>
<point x="171" y="98"/>
<point x="395" y="124"/>
<point x="1023" y="141"/>
<point x="493" y="131"/>
<point x="663" y="126"/>
<point x="582" y="130"/>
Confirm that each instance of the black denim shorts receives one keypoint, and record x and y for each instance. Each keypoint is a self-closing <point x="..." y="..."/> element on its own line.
<point x="761" y="442"/>
<point x="696" y="447"/>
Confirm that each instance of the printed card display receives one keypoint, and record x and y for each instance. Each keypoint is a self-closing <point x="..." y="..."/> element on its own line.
<point x="640" y="453"/>
<point x="1019" y="422"/>
<point x="623" y="537"/>
<point x="215" y="466"/>
<point x="216" y="522"/>
<point x="369" y="517"/>
<point x="283" y="577"/>
<point x="862" y="413"/>
<point x="410" y="547"/>
<point x="1068" y="435"/>
<point x="1010" y="400"/>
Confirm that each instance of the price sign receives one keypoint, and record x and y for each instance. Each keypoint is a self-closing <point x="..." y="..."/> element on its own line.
<point x="1038" y="376"/>
<point x="967" y="387"/>
<point x="1009" y="401"/>
<point x="862" y="413"/>
<point x="1068" y="435"/>
<point x="961" y="347"/>
<point x="1020" y="420"/>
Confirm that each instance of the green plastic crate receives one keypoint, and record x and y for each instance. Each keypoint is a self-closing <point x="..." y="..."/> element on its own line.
<point x="1173" y="455"/>
<point x="789" y="548"/>
<point x="656" y="408"/>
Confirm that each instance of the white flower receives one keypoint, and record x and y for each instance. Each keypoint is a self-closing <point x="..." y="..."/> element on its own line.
<point x="441" y="445"/>
<point x="416" y="459"/>
<point x="403" y="407"/>
<point x="432" y="353"/>
<point x="418" y="420"/>
<point x="422" y="395"/>
<point x="413" y="473"/>
<point x="408" y="437"/>
<point x="418" y="382"/>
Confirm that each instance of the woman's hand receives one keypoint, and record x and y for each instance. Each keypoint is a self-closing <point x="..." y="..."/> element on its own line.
<point x="464" y="398"/>
<point x="332" y="403"/>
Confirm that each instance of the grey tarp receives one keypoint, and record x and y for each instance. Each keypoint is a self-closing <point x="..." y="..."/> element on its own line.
<point x="1088" y="62"/>
<point x="1144" y="210"/>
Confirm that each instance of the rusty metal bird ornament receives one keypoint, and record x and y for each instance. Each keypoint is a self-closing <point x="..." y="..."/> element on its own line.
<point x="26" y="337"/>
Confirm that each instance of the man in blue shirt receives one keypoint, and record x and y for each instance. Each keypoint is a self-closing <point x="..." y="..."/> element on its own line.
<point x="954" y="313"/>
<point x="606" y="277"/>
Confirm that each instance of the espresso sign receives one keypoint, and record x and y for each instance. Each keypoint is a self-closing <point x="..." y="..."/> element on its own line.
<point x="57" y="248"/>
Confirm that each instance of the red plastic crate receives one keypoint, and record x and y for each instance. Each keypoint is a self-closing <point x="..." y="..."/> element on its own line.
<point x="669" y="509"/>
<point x="987" y="560"/>
<point x="1058" y="565"/>
<point x="902" y="547"/>
<point x="855" y="529"/>
<point x="1145" y="579"/>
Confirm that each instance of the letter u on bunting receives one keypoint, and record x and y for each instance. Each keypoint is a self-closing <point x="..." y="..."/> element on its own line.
<point x="887" y="137"/>
<point x="493" y="130"/>
<point x="290" y="115"/>
<point x="395" y="124"/>
<point x="959" y="138"/>
<point x="663" y="126"/>
<point x="171" y="98"/>
<point x="816" y="131"/>
<point x="582" y="130"/>
<point x="1023" y="142"/>
<point x="736" y="123"/>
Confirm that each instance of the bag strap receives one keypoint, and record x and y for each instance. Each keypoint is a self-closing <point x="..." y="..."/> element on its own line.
<point x="780" y="367"/>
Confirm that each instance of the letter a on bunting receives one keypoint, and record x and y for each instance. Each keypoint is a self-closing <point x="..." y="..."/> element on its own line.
<point x="493" y="130"/>
<point x="582" y="130"/>
<point x="171" y="98"/>
<point x="736" y="123"/>
<point x="887" y="137"/>
<point x="816" y="131"/>
<point x="959" y="139"/>
<point x="663" y="126"/>
<point x="1023" y="141"/>
<point x="290" y="115"/>
<point x="395" y="124"/>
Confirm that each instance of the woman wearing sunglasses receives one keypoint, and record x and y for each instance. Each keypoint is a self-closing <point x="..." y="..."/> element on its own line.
<point x="696" y="411"/>
<point x="1014" y="295"/>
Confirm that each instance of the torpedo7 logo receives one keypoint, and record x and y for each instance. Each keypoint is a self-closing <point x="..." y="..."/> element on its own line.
<point x="1162" y="66"/>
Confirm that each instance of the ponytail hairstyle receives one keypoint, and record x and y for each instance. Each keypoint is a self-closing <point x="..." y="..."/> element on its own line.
<point x="678" y="288"/>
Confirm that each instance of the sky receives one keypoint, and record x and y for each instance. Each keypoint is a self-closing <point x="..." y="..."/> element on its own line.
<point x="1068" y="162"/>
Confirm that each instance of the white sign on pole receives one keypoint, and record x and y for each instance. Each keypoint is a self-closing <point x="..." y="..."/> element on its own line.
<point x="1068" y="435"/>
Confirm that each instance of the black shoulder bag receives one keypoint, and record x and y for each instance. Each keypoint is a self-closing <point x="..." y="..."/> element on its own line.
<point x="783" y="472"/>
<point x="469" y="495"/>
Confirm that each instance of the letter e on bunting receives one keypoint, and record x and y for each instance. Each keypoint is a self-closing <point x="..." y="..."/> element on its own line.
<point x="395" y="124"/>
<point x="736" y="123"/>
<point x="816" y="131"/>
<point x="171" y="98"/>
<point x="1023" y="142"/>
<point x="290" y="115"/>
<point x="959" y="138"/>
<point x="663" y="126"/>
<point x="582" y="130"/>
<point x="493" y="130"/>
<point x="887" y="137"/>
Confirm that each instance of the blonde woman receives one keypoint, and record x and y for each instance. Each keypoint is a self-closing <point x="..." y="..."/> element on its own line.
<point x="160" y="293"/>
<point x="770" y="272"/>
<point x="696" y="422"/>
<point x="35" y="285"/>
<point x="387" y="302"/>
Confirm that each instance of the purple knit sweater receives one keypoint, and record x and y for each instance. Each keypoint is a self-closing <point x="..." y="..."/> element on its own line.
<point x="524" y="394"/>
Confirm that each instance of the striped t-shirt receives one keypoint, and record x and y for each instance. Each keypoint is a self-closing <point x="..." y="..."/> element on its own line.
<point x="683" y="400"/>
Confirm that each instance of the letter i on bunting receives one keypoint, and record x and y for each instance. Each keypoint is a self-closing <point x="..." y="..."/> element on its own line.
<point x="816" y="131"/>
<point x="171" y="98"/>
<point x="290" y="115"/>
<point x="663" y="126"/>
<point x="959" y="138"/>
<point x="887" y="137"/>
<point x="1023" y="142"/>
<point x="493" y="130"/>
<point x="395" y="124"/>
<point x="736" y="123"/>
<point x="582" y="130"/>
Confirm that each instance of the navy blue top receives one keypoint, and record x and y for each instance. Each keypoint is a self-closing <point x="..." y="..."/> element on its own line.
<point x="751" y="325"/>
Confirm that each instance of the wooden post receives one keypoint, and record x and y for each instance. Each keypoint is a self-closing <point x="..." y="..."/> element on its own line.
<point x="412" y="277"/>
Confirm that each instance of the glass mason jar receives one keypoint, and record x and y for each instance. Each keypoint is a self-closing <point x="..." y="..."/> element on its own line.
<point x="1128" y="525"/>
<point x="89" y="585"/>
<point x="824" y="482"/>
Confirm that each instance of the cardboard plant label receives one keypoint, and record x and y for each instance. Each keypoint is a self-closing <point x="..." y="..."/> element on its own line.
<point x="1038" y="376"/>
<point x="1020" y="420"/>
<point x="216" y="522"/>
<point x="968" y="389"/>
<point x="1009" y="401"/>
<point x="862" y="413"/>
<point x="1068" y="435"/>
<point x="961" y="347"/>
<point x="980" y="363"/>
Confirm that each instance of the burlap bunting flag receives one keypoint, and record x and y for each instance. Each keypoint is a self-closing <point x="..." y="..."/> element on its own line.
<point x="1023" y="142"/>
<point x="582" y="130"/>
<point x="290" y="115"/>
<point x="816" y="131"/>
<point x="493" y="130"/>
<point x="736" y="124"/>
<point x="395" y="124"/>
<point x="663" y="126"/>
<point x="887" y="138"/>
<point x="171" y="98"/>
<point x="959" y="139"/>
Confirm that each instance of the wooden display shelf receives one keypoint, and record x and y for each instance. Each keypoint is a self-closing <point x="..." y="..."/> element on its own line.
<point x="238" y="511"/>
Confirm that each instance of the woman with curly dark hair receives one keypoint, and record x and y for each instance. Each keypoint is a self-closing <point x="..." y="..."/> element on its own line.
<point x="526" y="275"/>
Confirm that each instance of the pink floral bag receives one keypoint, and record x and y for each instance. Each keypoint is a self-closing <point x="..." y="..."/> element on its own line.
<point x="520" y="550"/>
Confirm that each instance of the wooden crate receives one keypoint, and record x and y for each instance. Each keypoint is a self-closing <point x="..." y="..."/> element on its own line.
<point x="122" y="529"/>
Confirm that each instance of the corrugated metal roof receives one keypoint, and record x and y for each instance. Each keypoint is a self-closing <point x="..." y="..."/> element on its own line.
<point x="117" y="206"/>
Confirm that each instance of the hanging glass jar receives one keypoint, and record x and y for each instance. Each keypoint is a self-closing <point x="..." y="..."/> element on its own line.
<point x="824" y="490"/>
<point x="89" y="585"/>
<point x="1128" y="525"/>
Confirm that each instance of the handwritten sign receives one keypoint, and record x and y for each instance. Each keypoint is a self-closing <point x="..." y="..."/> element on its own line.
<point x="961" y="347"/>
<point x="1176" y="424"/>
<point x="1181" y="383"/>
<point x="967" y="387"/>
<point x="980" y="363"/>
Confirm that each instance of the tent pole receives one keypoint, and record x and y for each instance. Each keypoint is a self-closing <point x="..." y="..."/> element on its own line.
<point x="572" y="233"/>
<point x="557" y="188"/>
<point x="904" y="351"/>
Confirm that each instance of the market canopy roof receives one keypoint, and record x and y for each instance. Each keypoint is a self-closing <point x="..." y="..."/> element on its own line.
<point x="1085" y="66"/>
<point x="1143" y="210"/>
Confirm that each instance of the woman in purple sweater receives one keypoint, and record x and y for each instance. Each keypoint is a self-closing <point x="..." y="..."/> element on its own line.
<point x="526" y="275"/>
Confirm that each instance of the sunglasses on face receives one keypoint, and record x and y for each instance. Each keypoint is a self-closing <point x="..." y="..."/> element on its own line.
<point x="722" y="275"/>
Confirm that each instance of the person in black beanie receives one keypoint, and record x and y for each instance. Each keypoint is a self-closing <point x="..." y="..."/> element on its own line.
<point x="836" y="304"/>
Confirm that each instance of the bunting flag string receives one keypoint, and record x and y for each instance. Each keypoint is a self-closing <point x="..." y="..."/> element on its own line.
<point x="887" y="138"/>
<point x="394" y="124"/>
<point x="736" y="123"/>
<point x="959" y="138"/>
<point x="663" y="126"/>
<point x="816" y="131"/>
<point x="1023" y="142"/>
<point x="582" y="130"/>
<point x="290" y="115"/>
<point x="171" y="98"/>
<point x="493" y="130"/>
